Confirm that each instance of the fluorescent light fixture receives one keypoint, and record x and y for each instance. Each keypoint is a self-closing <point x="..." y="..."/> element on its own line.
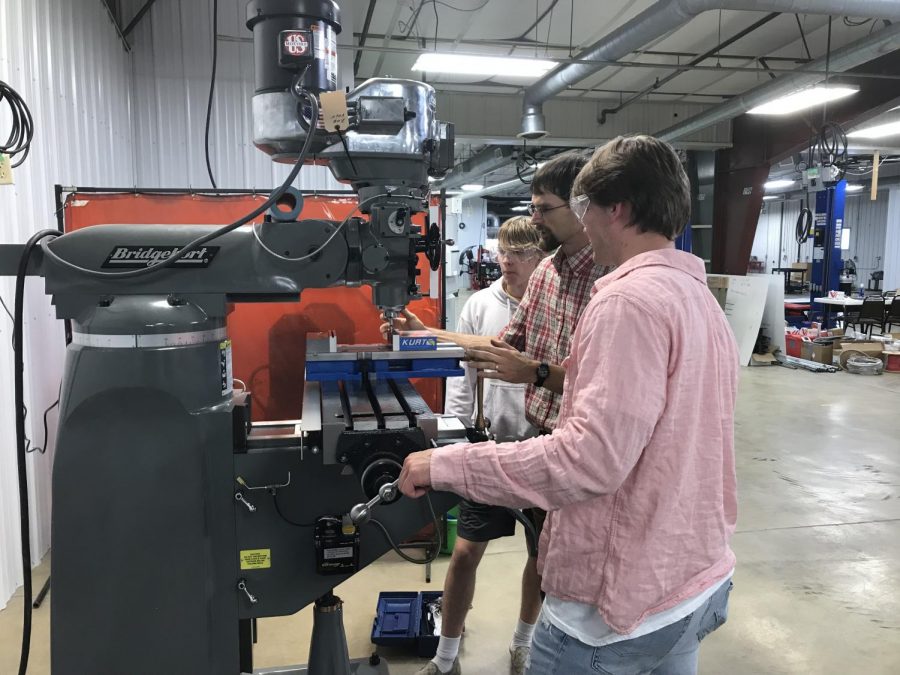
<point x="769" y="198"/>
<point x="471" y="187"/>
<point x="485" y="66"/>
<point x="880" y="131"/>
<point x="803" y="99"/>
<point x="519" y="208"/>
<point x="775" y="184"/>
<point x="856" y="187"/>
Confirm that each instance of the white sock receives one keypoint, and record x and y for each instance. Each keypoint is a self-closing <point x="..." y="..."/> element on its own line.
<point x="447" y="650"/>
<point x="522" y="636"/>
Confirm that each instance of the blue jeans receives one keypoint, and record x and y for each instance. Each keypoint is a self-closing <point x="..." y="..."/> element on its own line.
<point x="672" y="650"/>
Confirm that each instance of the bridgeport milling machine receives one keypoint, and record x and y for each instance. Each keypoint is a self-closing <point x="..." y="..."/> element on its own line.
<point x="176" y="521"/>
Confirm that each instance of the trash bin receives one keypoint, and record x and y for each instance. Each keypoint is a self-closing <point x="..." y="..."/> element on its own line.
<point x="450" y="538"/>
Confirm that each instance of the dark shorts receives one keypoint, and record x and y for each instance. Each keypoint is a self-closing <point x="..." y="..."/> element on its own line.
<point x="481" y="522"/>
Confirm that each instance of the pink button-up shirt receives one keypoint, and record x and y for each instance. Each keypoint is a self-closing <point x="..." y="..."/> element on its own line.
<point x="638" y="476"/>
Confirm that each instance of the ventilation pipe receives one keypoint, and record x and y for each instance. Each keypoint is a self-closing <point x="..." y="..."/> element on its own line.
<point x="475" y="168"/>
<point x="851" y="56"/>
<point x="659" y="20"/>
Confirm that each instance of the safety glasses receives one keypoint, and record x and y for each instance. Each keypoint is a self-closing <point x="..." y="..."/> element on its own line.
<point x="579" y="206"/>
<point x="519" y="255"/>
<point x="541" y="210"/>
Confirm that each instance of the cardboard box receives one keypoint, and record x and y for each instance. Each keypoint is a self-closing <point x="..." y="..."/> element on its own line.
<point x="820" y="352"/>
<point x="763" y="360"/>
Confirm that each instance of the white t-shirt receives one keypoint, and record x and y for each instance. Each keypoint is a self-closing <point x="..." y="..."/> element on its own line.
<point x="584" y="623"/>
<point x="488" y="312"/>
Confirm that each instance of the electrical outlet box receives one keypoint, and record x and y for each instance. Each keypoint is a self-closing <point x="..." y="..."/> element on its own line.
<point x="6" y="177"/>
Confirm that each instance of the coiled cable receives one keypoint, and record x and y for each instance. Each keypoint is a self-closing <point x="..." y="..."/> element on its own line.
<point x="22" y="132"/>
<point x="804" y="225"/>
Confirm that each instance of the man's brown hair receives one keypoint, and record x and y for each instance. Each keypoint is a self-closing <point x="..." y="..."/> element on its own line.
<point x="557" y="175"/>
<point x="645" y="172"/>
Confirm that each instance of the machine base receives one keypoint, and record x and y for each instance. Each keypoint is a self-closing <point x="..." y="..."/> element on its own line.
<point x="357" y="667"/>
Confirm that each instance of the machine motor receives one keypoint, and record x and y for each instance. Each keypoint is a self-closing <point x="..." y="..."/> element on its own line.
<point x="337" y="545"/>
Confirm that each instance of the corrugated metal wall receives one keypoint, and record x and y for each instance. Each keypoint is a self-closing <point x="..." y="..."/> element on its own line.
<point x="775" y="242"/>
<point x="172" y="65"/>
<point x="892" y="243"/>
<point x="68" y="63"/>
<point x="867" y="221"/>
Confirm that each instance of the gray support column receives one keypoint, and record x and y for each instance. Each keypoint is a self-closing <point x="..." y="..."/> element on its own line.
<point x="892" y="243"/>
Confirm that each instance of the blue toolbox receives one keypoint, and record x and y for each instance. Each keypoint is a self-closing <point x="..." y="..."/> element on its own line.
<point x="402" y="619"/>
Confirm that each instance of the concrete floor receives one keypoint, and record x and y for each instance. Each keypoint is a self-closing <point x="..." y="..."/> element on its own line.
<point x="817" y="587"/>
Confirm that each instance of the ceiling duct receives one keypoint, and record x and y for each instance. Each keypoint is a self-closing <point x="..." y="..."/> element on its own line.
<point x="850" y="56"/>
<point x="474" y="169"/>
<point x="659" y="20"/>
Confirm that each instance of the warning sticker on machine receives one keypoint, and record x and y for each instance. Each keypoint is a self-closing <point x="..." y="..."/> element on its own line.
<point x="256" y="559"/>
<point x="342" y="552"/>
<point x="225" y="368"/>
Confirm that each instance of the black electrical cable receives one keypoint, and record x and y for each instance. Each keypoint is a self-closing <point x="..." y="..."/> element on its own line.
<point x="424" y="561"/>
<point x="407" y="27"/>
<point x="537" y="21"/>
<point x="6" y="309"/>
<point x="829" y="147"/>
<point x="526" y="164"/>
<point x="212" y="87"/>
<point x="437" y="22"/>
<point x="854" y="24"/>
<point x="22" y="132"/>
<point x="832" y="141"/>
<point x="804" y="225"/>
<point x="19" y="371"/>
<point x="438" y="543"/>
<point x="531" y="535"/>
<point x="199" y="241"/>
<point x="284" y="517"/>
<point x="41" y="449"/>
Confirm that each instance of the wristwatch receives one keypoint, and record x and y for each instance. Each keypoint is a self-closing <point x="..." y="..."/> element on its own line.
<point x="543" y="372"/>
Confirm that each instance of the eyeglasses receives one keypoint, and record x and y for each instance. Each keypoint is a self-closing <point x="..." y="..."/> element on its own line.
<point x="534" y="209"/>
<point x="579" y="206"/>
<point x="519" y="255"/>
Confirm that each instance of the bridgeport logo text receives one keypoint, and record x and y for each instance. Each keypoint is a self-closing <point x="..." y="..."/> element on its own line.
<point x="135" y="257"/>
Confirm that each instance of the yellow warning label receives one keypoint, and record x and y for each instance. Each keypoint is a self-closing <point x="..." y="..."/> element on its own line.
<point x="256" y="559"/>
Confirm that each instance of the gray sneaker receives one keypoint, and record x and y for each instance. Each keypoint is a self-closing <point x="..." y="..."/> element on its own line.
<point x="518" y="660"/>
<point x="431" y="668"/>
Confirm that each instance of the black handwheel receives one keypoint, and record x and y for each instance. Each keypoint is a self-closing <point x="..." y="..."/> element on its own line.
<point x="433" y="246"/>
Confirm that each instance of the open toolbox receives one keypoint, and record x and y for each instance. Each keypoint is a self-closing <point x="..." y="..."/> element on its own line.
<point x="401" y="620"/>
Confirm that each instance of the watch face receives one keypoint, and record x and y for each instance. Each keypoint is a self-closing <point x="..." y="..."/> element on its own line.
<point x="543" y="371"/>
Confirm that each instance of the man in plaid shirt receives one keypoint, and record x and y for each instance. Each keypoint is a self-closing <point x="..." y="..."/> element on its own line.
<point x="528" y="351"/>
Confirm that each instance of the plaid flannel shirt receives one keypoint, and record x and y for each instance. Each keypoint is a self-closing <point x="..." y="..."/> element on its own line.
<point x="542" y="327"/>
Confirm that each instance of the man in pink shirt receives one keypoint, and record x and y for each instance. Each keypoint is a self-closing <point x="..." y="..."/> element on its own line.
<point x="638" y="476"/>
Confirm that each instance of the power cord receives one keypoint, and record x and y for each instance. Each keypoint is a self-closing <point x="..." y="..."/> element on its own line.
<point x="6" y="309"/>
<point x="284" y="517"/>
<point x="21" y="448"/>
<point x="256" y="234"/>
<point x="40" y="449"/>
<point x="526" y="165"/>
<point x="22" y="133"/>
<point x="424" y="561"/>
<point x="212" y="86"/>
<point x="187" y="248"/>
<point x="437" y="544"/>
<point x="804" y="225"/>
